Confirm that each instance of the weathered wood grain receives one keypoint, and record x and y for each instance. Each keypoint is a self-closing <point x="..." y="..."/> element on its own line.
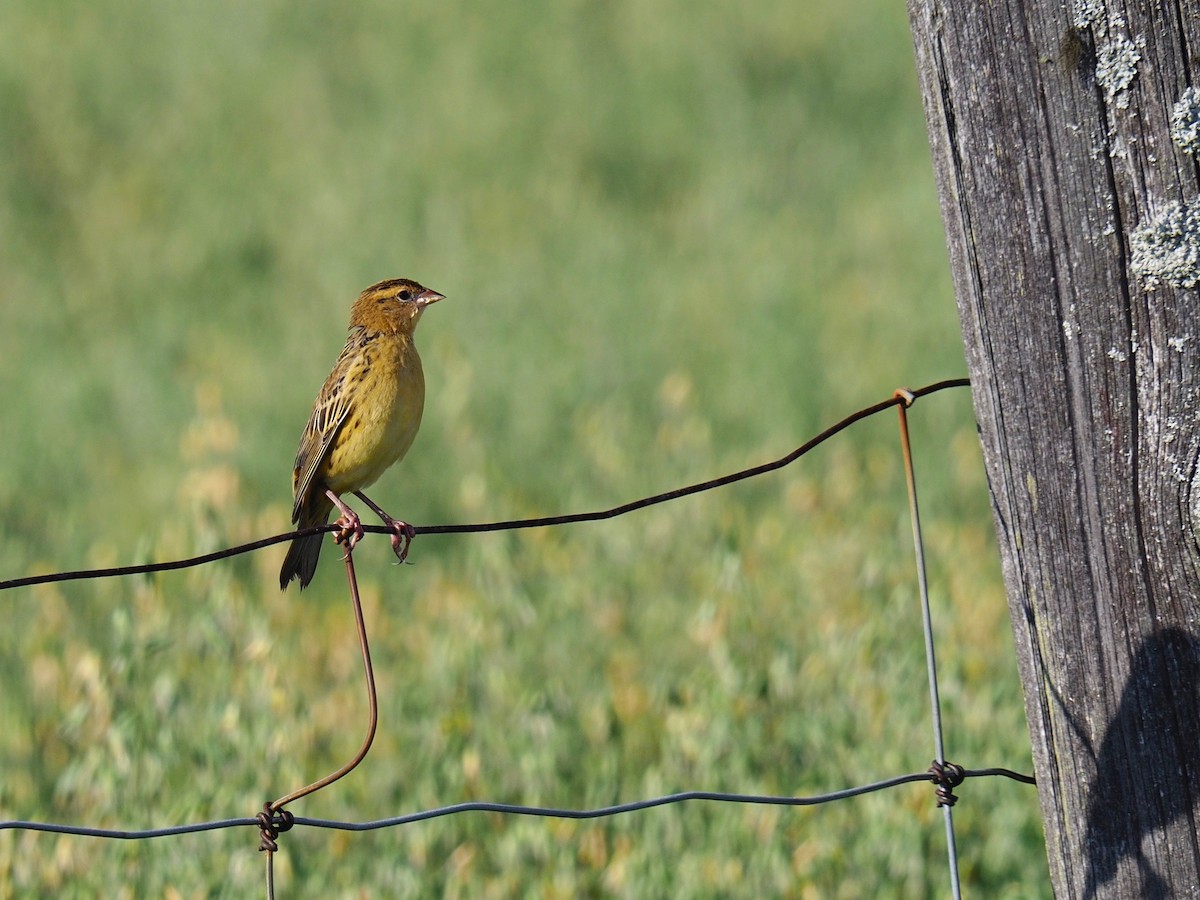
<point x="1072" y="217"/>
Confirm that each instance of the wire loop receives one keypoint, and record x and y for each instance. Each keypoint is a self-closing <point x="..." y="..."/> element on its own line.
<point x="272" y="822"/>
<point x="946" y="777"/>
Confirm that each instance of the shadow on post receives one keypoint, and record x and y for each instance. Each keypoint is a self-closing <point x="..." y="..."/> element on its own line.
<point x="1150" y="752"/>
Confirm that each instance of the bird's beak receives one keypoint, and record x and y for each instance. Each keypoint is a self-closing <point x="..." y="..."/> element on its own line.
<point x="427" y="296"/>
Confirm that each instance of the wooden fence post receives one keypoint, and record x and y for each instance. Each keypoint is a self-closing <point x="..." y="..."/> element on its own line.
<point x="1065" y="141"/>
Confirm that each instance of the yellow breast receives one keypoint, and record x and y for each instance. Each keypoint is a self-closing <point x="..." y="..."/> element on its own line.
<point x="388" y="397"/>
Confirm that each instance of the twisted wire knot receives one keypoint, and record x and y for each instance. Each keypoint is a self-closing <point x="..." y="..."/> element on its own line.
<point x="946" y="776"/>
<point x="272" y="823"/>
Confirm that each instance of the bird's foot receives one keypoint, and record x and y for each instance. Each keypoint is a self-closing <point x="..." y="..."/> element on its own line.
<point x="350" y="530"/>
<point x="402" y="532"/>
<point x="402" y="537"/>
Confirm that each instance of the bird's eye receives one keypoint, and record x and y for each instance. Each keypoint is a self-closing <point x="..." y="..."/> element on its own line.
<point x="405" y="295"/>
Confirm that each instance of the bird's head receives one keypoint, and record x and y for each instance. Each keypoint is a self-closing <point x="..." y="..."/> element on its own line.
<point x="393" y="305"/>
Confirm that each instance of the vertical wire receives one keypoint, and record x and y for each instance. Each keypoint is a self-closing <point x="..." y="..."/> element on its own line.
<point x="372" y="699"/>
<point x="927" y="624"/>
<point x="267" y="818"/>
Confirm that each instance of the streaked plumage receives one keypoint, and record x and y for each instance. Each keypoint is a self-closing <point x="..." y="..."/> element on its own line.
<point x="365" y="418"/>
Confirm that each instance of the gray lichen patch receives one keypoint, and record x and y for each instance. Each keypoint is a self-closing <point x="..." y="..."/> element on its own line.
<point x="1185" y="121"/>
<point x="1116" y="67"/>
<point x="1088" y="13"/>
<point x="1195" y="501"/>
<point x="1167" y="248"/>
<point x="1117" y="55"/>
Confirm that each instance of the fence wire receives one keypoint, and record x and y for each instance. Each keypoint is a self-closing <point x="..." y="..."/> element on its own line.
<point x="512" y="809"/>
<point x="275" y="819"/>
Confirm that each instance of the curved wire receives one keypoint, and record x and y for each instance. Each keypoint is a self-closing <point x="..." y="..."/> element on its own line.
<point x="509" y="524"/>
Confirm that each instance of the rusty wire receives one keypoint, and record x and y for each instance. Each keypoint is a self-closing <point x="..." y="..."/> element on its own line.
<point x="274" y="819"/>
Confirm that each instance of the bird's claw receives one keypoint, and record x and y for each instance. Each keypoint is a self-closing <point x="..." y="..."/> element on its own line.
<point x="402" y="538"/>
<point x="350" y="530"/>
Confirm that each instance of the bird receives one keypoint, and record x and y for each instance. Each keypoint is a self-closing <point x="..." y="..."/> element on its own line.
<point x="364" y="420"/>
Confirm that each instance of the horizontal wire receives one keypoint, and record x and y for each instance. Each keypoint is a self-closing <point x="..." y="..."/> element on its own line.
<point x="120" y="834"/>
<point x="1006" y="773"/>
<point x="508" y="525"/>
<point x="548" y="812"/>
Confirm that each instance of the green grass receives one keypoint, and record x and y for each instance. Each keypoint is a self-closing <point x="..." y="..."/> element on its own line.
<point x="677" y="240"/>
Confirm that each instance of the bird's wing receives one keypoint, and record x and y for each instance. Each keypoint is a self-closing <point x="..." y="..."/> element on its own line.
<point x="328" y="415"/>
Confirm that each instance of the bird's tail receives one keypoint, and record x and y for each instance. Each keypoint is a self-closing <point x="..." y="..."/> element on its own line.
<point x="303" y="553"/>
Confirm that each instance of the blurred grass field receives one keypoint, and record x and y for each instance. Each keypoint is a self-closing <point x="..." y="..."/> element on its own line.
<point x="677" y="240"/>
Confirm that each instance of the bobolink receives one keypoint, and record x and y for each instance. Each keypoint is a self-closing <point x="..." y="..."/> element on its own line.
<point x="364" y="420"/>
